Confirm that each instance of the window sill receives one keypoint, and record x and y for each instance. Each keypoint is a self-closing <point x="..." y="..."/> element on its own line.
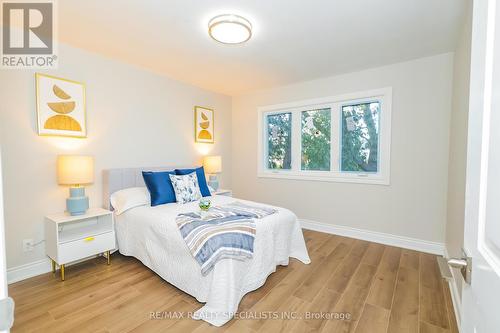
<point x="359" y="179"/>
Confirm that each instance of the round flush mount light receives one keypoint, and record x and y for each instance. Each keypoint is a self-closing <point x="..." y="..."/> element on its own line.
<point x="230" y="29"/>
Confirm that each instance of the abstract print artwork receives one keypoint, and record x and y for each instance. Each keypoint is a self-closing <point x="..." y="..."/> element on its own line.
<point x="60" y="106"/>
<point x="204" y="124"/>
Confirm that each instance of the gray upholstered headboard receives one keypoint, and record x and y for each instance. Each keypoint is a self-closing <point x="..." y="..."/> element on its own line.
<point x="119" y="179"/>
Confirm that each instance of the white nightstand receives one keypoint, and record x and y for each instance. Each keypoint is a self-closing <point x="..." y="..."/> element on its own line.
<point x="70" y="238"/>
<point x="227" y="193"/>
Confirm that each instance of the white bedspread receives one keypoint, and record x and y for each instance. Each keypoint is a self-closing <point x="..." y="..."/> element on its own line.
<point x="150" y="234"/>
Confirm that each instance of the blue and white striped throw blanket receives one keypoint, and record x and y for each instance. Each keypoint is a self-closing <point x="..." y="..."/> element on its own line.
<point x="222" y="232"/>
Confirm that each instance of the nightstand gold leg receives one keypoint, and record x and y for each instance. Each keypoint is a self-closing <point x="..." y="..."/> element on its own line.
<point x="62" y="272"/>
<point x="53" y="266"/>
<point x="108" y="256"/>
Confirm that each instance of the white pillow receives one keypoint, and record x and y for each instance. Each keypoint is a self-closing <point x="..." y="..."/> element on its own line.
<point x="211" y="189"/>
<point x="128" y="198"/>
<point x="186" y="187"/>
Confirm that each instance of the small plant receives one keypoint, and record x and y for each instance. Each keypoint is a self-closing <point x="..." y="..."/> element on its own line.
<point x="205" y="204"/>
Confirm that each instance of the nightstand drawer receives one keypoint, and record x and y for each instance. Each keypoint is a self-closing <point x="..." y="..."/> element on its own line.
<point x="86" y="247"/>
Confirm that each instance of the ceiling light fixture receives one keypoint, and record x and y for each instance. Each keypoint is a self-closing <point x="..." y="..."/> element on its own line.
<point x="230" y="29"/>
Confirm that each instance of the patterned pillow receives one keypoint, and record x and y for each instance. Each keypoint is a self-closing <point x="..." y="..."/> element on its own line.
<point x="186" y="187"/>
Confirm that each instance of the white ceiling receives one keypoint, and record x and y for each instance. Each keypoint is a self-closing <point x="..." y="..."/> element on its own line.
<point x="294" y="40"/>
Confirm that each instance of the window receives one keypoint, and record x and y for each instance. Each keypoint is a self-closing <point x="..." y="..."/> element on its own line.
<point x="340" y="138"/>
<point x="316" y="136"/>
<point x="360" y="137"/>
<point x="279" y="141"/>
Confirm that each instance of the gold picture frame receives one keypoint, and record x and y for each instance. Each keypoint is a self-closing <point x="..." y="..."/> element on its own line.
<point x="60" y="107"/>
<point x="204" y="125"/>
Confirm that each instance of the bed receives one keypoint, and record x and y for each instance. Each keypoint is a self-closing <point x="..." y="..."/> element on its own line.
<point x="150" y="234"/>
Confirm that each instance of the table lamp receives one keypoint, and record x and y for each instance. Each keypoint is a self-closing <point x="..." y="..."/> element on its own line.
<point x="75" y="171"/>
<point x="213" y="166"/>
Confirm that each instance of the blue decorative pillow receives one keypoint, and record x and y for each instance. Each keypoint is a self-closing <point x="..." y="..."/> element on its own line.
<point x="202" y="181"/>
<point x="159" y="186"/>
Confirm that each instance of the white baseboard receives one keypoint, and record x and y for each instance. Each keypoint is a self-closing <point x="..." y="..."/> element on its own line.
<point x="377" y="237"/>
<point x="26" y="271"/>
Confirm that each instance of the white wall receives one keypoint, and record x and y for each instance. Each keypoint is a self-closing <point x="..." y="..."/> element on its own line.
<point x="458" y="146"/>
<point x="135" y="118"/>
<point x="414" y="205"/>
<point x="3" y="265"/>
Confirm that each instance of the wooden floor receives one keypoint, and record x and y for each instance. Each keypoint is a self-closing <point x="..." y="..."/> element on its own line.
<point x="380" y="288"/>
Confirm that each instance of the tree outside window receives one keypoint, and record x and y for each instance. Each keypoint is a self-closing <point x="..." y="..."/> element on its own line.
<point x="279" y="141"/>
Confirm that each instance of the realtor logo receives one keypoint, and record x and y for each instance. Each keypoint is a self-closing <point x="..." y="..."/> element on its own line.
<point x="28" y="34"/>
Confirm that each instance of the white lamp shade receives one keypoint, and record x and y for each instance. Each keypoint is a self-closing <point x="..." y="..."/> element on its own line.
<point x="212" y="164"/>
<point x="75" y="170"/>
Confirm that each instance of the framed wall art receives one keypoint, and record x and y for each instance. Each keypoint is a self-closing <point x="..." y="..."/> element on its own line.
<point x="60" y="105"/>
<point x="204" y="124"/>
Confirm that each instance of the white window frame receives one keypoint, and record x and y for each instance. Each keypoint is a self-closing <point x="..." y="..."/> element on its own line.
<point x="381" y="177"/>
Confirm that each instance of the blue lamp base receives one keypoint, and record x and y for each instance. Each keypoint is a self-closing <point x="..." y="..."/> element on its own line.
<point x="77" y="203"/>
<point x="213" y="182"/>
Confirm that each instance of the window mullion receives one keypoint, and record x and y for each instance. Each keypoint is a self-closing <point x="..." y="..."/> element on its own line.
<point x="296" y="141"/>
<point x="335" y="138"/>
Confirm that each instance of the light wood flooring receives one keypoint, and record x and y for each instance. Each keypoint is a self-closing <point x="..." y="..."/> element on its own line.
<point x="383" y="288"/>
